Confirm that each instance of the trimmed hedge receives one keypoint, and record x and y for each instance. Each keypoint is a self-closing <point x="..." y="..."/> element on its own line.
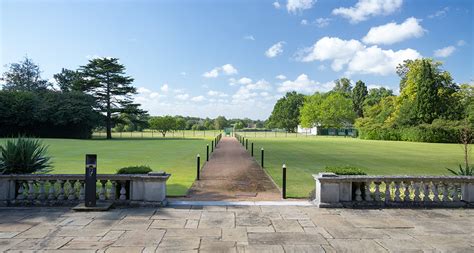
<point x="142" y="169"/>
<point x="345" y="170"/>
<point x="440" y="132"/>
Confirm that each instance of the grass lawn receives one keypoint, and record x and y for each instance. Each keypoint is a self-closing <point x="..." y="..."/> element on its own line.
<point x="306" y="156"/>
<point x="175" y="156"/>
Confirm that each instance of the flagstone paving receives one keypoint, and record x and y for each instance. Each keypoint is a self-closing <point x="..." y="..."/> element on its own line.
<point x="236" y="229"/>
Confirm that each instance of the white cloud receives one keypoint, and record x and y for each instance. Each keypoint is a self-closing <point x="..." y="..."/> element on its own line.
<point x="249" y="37"/>
<point x="182" y="96"/>
<point x="444" y="52"/>
<point x="439" y="14"/>
<point x="305" y="85"/>
<point x="227" y="69"/>
<point x="354" y="55"/>
<point x="374" y="60"/>
<point x="295" y="6"/>
<point x="154" y="95"/>
<point x="367" y="8"/>
<point x="280" y="77"/>
<point x="198" y="99"/>
<point x="143" y="90"/>
<point x="304" y="22"/>
<point x="277" y="5"/>
<point x="165" y="87"/>
<point x="244" y="80"/>
<point x="392" y="32"/>
<point x="319" y="22"/>
<point x="214" y="93"/>
<point x="250" y="91"/>
<point x="461" y="43"/>
<point x="275" y="50"/>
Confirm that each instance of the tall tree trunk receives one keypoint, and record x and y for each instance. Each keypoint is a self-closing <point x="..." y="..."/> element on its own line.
<point x="108" y="123"/>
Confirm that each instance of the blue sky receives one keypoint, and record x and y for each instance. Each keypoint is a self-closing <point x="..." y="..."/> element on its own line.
<point x="236" y="58"/>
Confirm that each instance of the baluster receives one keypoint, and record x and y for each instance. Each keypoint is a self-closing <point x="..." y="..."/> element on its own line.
<point x="31" y="190"/>
<point x="358" y="192"/>
<point x="41" y="192"/>
<point x="455" y="195"/>
<point x="112" y="190"/>
<point x="72" y="190"/>
<point x="82" y="193"/>
<point x="388" y="196"/>
<point x="123" y="192"/>
<point x="445" y="192"/>
<point x="52" y="190"/>
<point x="367" y="192"/>
<point x="61" y="190"/>
<point x="426" y="191"/>
<point x="397" y="191"/>
<point x="417" y="191"/>
<point x="102" y="189"/>
<point x="407" y="191"/>
<point x="435" y="192"/>
<point x="21" y="190"/>
<point x="377" y="191"/>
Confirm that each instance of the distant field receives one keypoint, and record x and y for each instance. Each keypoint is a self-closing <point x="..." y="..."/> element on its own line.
<point x="307" y="156"/>
<point x="175" y="156"/>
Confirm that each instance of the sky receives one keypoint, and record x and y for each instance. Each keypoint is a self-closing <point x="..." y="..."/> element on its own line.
<point x="236" y="58"/>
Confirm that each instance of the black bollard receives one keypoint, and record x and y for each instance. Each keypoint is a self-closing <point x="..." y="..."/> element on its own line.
<point x="283" y="188"/>
<point x="198" y="169"/>
<point x="90" y="180"/>
<point x="263" y="158"/>
<point x="207" y="153"/>
<point x="252" y="149"/>
<point x="247" y="144"/>
<point x="212" y="146"/>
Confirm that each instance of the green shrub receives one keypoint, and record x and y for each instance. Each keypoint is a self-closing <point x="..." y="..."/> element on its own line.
<point x="24" y="155"/>
<point x="142" y="169"/>
<point x="345" y="170"/>
<point x="462" y="171"/>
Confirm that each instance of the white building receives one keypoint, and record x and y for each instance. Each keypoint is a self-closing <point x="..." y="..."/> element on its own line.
<point x="310" y="131"/>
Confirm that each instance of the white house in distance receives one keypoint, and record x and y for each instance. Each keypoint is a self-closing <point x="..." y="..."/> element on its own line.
<point x="310" y="131"/>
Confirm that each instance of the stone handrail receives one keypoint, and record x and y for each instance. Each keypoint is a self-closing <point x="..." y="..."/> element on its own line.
<point x="69" y="189"/>
<point x="397" y="191"/>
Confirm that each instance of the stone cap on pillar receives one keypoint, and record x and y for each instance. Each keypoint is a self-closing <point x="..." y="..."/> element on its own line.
<point x="324" y="174"/>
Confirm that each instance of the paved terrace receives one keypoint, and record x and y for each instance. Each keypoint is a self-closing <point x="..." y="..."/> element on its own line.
<point x="237" y="229"/>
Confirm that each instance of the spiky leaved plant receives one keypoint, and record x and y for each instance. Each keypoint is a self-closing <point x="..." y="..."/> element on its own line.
<point x="462" y="171"/>
<point x="24" y="155"/>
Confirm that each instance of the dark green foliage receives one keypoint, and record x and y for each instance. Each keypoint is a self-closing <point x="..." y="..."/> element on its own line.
<point x="376" y="95"/>
<point x="462" y="172"/>
<point x="70" y="80"/>
<point x="359" y="93"/>
<point x="163" y="124"/>
<point x="47" y="114"/>
<point x="24" y="76"/>
<point x="141" y="169"/>
<point x="426" y="100"/>
<point x="345" y="170"/>
<point x="23" y="156"/>
<point x="220" y="122"/>
<point x="105" y="79"/>
<point x="286" y="112"/>
<point x="343" y="86"/>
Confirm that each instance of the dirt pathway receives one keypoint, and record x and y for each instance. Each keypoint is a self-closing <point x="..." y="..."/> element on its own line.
<point x="232" y="174"/>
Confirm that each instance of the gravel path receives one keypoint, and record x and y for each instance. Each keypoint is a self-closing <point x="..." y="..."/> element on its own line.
<point x="232" y="174"/>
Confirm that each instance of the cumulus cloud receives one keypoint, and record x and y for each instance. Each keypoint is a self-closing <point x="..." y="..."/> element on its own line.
<point x="319" y="22"/>
<point x="367" y="8"/>
<point x="250" y="91"/>
<point x="392" y="32"/>
<point x="294" y="6"/>
<point x="165" y="87"/>
<point x="444" y="52"/>
<point x="355" y="56"/>
<point x="184" y="96"/>
<point x="440" y="13"/>
<point x="280" y="77"/>
<point x="275" y="50"/>
<point x="198" y="99"/>
<point x="304" y="84"/>
<point x="249" y="37"/>
<point x="277" y="5"/>
<point x="214" y="93"/>
<point x="226" y="69"/>
<point x="143" y="90"/>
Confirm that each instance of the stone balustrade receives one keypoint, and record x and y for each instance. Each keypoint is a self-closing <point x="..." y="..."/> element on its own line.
<point x="393" y="191"/>
<point x="69" y="189"/>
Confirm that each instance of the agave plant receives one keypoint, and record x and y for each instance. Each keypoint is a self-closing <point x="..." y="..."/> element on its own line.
<point x="462" y="172"/>
<point x="24" y="155"/>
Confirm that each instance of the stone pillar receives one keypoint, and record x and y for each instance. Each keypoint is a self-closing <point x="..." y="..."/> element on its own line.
<point x="7" y="190"/>
<point x="327" y="193"/>
<point x="150" y="188"/>
<point x="467" y="190"/>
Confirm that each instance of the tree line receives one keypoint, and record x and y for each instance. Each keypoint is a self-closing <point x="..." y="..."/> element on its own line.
<point x="430" y="107"/>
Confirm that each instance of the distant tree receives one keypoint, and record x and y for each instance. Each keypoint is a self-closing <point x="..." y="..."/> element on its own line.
<point x="208" y="124"/>
<point x="180" y="124"/>
<point x="24" y="76"/>
<point x="163" y="124"/>
<point x="358" y="97"/>
<point x="70" y="80"/>
<point x="286" y="112"/>
<point x="220" y="122"/>
<point x="426" y="98"/>
<point x="343" y="86"/>
<point x="105" y="79"/>
<point x="327" y="110"/>
<point x="239" y="125"/>
<point x="376" y="95"/>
